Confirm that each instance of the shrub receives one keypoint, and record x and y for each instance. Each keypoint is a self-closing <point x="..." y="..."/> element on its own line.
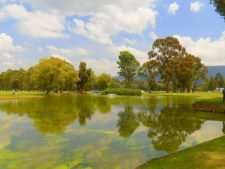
<point x="122" y="91"/>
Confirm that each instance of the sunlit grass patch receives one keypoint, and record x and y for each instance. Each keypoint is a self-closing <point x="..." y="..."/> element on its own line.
<point x="207" y="155"/>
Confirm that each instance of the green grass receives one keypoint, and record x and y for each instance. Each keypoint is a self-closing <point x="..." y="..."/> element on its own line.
<point x="209" y="97"/>
<point x="20" y="94"/>
<point x="209" y="155"/>
<point x="122" y="91"/>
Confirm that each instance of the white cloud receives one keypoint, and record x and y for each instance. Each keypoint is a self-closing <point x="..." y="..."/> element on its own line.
<point x="36" y="24"/>
<point x="196" y="6"/>
<point x="67" y="52"/>
<point x="211" y="51"/>
<point x="141" y="56"/>
<point x="7" y="51"/>
<point x="102" y="65"/>
<point x="173" y="8"/>
<point x="153" y="35"/>
<point x="87" y="7"/>
<point x="130" y="41"/>
<point x="112" y="18"/>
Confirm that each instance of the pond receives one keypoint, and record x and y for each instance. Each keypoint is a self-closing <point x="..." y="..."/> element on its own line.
<point x="99" y="132"/>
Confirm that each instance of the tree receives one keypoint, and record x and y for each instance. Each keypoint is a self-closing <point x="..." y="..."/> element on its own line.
<point x="149" y="72"/>
<point x="220" y="7"/>
<point x="200" y="71"/>
<point x="183" y="73"/>
<point x="212" y="84"/>
<point x="128" y="66"/>
<point x="219" y="80"/>
<point x="85" y="74"/>
<point x="103" y="81"/>
<point x="54" y="74"/>
<point x="163" y="52"/>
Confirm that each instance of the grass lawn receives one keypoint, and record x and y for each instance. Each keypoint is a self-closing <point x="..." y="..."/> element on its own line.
<point x="20" y="94"/>
<point x="209" y="155"/>
<point x="209" y="97"/>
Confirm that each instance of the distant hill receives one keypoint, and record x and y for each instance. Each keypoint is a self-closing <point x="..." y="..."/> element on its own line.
<point x="212" y="70"/>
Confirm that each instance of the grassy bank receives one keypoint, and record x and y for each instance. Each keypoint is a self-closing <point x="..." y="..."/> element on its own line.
<point x="207" y="155"/>
<point x="20" y="94"/>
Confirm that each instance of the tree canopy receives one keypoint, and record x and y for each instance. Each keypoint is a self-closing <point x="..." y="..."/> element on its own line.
<point x="54" y="74"/>
<point x="175" y="65"/>
<point x="104" y="81"/>
<point x="128" y="67"/>
<point x="220" y="7"/>
<point x="86" y="76"/>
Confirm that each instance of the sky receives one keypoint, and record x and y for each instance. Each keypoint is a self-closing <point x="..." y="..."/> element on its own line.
<point x="95" y="31"/>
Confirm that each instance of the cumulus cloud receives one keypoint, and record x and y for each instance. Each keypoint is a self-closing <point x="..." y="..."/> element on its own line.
<point x="173" y="8"/>
<point x="67" y="52"/>
<point x="153" y="35"/>
<point x="196" y="6"/>
<point x="140" y="55"/>
<point x="130" y="41"/>
<point x="87" y="7"/>
<point x="102" y="65"/>
<point x="36" y="24"/>
<point x="7" y="51"/>
<point x="112" y="18"/>
<point x="211" y="51"/>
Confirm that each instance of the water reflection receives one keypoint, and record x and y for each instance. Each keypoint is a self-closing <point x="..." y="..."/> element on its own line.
<point x="169" y="128"/>
<point x="52" y="115"/>
<point x="81" y="130"/>
<point x="127" y="121"/>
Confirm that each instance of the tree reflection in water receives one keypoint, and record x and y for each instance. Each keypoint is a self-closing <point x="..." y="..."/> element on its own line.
<point x="168" y="122"/>
<point x="127" y="121"/>
<point x="51" y="115"/>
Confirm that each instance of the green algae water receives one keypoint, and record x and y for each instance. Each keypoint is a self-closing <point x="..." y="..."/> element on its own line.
<point x="99" y="132"/>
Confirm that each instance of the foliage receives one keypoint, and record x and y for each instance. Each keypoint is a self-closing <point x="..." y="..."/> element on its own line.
<point x="128" y="66"/>
<point x="86" y="76"/>
<point x="164" y="51"/>
<point x="174" y="65"/>
<point x="54" y="74"/>
<point x="104" y="81"/>
<point x="219" y="80"/>
<point x="220" y="7"/>
<point x="212" y="84"/>
<point x="122" y="91"/>
<point x="149" y="71"/>
<point x="13" y="79"/>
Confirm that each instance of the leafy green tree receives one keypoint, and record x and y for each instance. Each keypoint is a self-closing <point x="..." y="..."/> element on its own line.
<point x="200" y="70"/>
<point x="149" y="72"/>
<point x="219" y="80"/>
<point x="85" y="75"/>
<point x="128" y="66"/>
<point x="188" y="72"/>
<point x="183" y="73"/>
<point x="54" y="74"/>
<point x="163" y="52"/>
<point x="220" y="7"/>
<point x="103" y="81"/>
<point x="212" y="84"/>
<point x="13" y="79"/>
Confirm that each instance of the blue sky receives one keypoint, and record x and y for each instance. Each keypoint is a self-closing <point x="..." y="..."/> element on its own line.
<point x="96" y="30"/>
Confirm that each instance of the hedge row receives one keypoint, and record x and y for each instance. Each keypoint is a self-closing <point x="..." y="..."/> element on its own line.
<point x="122" y="91"/>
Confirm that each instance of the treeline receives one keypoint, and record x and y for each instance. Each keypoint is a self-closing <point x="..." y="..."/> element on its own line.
<point x="54" y="74"/>
<point x="170" y="67"/>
